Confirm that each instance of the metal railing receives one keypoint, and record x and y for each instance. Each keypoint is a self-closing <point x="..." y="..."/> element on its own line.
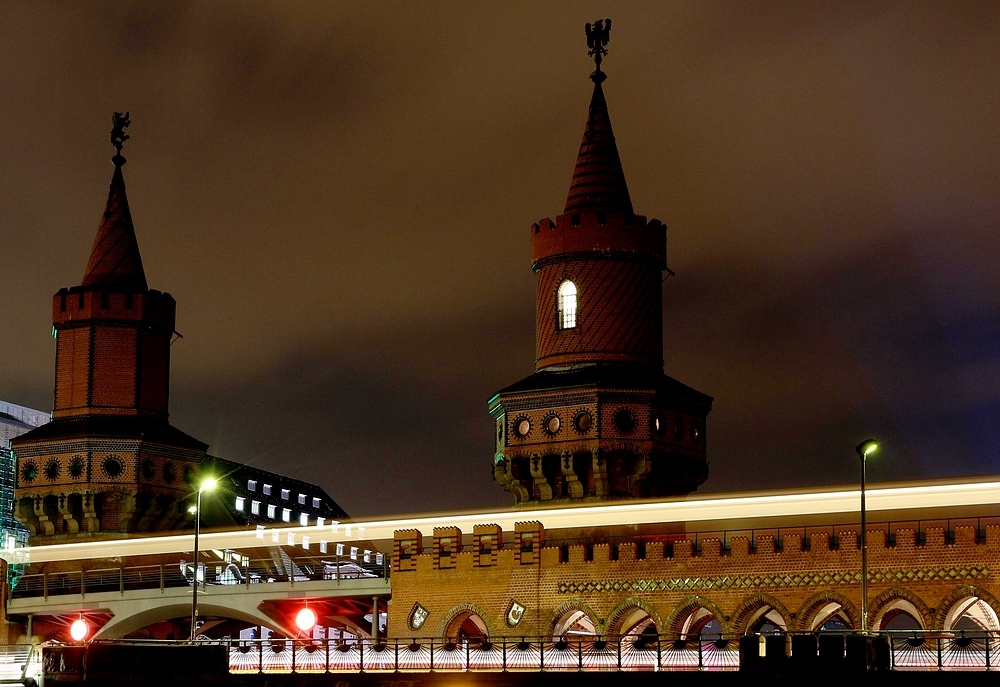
<point x="909" y="650"/>
<point x="180" y="574"/>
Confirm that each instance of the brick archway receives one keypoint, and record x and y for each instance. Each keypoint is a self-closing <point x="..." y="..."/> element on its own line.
<point x="568" y="607"/>
<point x="806" y="614"/>
<point x="961" y="593"/>
<point x="680" y="613"/>
<point x="887" y="599"/>
<point x="618" y="614"/>
<point x="749" y="610"/>
<point x="465" y="609"/>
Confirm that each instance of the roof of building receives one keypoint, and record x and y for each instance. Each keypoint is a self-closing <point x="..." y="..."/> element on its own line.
<point x="241" y="486"/>
<point x="118" y="426"/>
<point x="608" y="375"/>
<point x="114" y="260"/>
<point x="598" y="184"/>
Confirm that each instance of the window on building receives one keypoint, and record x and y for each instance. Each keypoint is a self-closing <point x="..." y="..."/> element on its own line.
<point x="251" y="485"/>
<point x="255" y="507"/>
<point x="302" y="499"/>
<point x="315" y="502"/>
<point x="239" y="502"/>
<point x="304" y="519"/>
<point x="340" y="549"/>
<point x="285" y="494"/>
<point x="267" y="490"/>
<point x="271" y="510"/>
<point x="567" y="305"/>
<point x="286" y="514"/>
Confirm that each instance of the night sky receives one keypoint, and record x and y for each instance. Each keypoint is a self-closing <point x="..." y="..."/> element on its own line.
<point x="339" y="197"/>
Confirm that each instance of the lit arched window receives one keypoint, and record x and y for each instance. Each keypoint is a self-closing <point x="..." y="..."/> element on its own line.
<point x="567" y="305"/>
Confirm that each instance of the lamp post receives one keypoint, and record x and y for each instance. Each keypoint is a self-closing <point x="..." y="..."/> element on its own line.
<point x="864" y="448"/>
<point x="207" y="485"/>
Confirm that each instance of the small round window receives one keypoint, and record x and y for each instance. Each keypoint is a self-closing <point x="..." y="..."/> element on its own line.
<point x="583" y="422"/>
<point x="552" y="423"/>
<point x="624" y="420"/>
<point x="522" y="427"/>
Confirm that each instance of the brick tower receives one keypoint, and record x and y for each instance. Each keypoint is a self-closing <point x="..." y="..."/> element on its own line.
<point x="599" y="419"/>
<point x="109" y="460"/>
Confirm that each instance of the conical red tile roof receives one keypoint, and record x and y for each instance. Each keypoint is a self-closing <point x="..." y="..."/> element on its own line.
<point x="114" y="259"/>
<point x="598" y="184"/>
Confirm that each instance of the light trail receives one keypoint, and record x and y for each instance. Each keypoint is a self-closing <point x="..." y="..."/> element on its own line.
<point x="740" y="507"/>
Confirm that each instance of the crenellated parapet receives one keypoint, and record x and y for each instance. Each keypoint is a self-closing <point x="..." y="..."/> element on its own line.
<point x="790" y="572"/>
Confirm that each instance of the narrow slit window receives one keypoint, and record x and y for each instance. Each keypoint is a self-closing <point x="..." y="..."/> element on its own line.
<point x="567" y="305"/>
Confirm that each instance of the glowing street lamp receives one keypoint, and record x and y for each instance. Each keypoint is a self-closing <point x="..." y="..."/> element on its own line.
<point x="305" y="619"/>
<point x="865" y="448"/>
<point x="207" y="485"/>
<point x="79" y="630"/>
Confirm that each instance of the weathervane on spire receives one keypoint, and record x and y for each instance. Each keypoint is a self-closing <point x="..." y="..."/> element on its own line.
<point x="118" y="136"/>
<point x="598" y="35"/>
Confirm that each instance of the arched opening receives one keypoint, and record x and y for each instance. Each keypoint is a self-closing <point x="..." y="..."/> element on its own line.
<point x="765" y="619"/>
<point x="637" y="622"/>
<point x="574" y="623"/>
<point x="831" y="617"/>
<point x="971" y="613"/>
<point x="901" y="615"/>
<point x="467" y="625"/>
<point x="567" y="305"/>
<point x="700" y="621"/>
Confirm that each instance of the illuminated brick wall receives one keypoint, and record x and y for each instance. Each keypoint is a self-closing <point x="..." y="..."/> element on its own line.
<point x="668" y="580"/>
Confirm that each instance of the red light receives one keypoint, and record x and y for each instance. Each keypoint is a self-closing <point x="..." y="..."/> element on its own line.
<point x="79" y="630"/>
<point x="306" y="619"/>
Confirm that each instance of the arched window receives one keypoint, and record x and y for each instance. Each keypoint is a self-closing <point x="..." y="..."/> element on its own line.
<point x="567" y="305"/>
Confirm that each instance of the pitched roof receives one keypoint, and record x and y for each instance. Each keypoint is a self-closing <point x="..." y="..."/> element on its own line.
<point x="114" y="260"/>
<point x="598" y="184"/>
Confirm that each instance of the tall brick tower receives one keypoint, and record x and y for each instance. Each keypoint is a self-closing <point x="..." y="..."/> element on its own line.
<point x="109" y="460"/>
<point x="599" y="419"/>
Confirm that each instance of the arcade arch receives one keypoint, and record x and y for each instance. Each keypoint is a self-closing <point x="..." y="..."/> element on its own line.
<point x="574" y="619"/>
<point x="466" y="621"/>
<point x="969" y="608"/>
<point x="828" y="610"/>
<point x="760" y="613"/>
<point x="633" y="617"/>
<point x="694" y="616"/>
<point x="899" y="609"/>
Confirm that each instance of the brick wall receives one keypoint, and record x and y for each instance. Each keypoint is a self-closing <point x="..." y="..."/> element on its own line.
<point x="668" y="580"/>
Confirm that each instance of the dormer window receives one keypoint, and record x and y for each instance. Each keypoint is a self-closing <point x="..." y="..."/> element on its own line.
<point x="567" y="305"/>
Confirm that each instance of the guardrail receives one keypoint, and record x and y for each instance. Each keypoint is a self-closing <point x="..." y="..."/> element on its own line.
<point x="181" y="574"/>
<point x="907" y="651"/>
<point x="773" y="653"/>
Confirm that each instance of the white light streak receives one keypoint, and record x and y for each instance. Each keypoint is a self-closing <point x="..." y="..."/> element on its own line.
<point x="923" y="498"/>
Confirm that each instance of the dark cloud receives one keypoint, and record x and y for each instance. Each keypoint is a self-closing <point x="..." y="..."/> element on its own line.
<point x="338" y="195"/>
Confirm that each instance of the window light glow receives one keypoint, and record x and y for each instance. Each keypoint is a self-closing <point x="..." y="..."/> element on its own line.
<point x="286" y="514"/>
<point x="271" y="511"/>
<point x="567" y="305"/>
<point x="255" y="507"/>
<point x="304" y="519"/>
<point x="240" y="501"/>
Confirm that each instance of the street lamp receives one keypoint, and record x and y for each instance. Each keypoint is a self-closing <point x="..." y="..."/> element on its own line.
<point x="864" y="448"/>
<point x="207" y="485"/>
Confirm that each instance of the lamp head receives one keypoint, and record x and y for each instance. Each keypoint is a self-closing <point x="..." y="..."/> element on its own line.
<point x="208" y="484"/>
<point x="865" y="447"/>
<point x="193" y="509"/>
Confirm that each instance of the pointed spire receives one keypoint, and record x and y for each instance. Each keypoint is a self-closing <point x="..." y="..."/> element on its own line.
<point x="114" y="259"/>
<point x="598" y="184"/>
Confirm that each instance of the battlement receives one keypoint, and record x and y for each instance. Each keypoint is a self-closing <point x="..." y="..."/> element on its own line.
<point x="526" y="545"/>
<point x="80" y="303"/>
<point x="573" y="234"/>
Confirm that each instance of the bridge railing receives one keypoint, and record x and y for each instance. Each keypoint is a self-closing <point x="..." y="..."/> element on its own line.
<point x="907" y="650"/>
<point x="181" y="574"/>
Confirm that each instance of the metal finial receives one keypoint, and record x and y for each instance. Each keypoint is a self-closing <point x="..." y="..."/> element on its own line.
<point x="118" y="136"/>
<point x="598" y="35"/>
